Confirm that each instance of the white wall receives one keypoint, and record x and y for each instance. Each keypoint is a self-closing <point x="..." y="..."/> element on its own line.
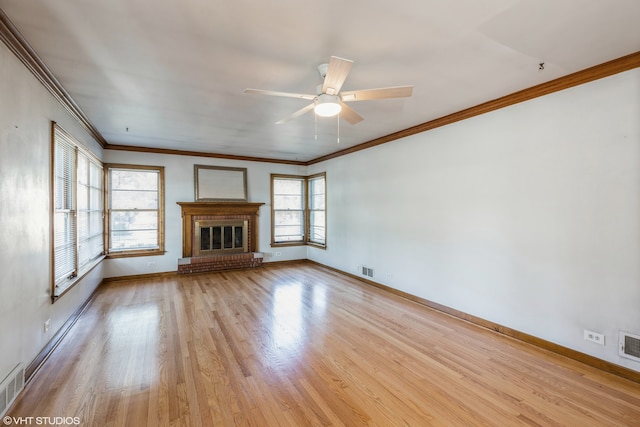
<point x="179" y="187"/>
<point x="527" y="216"/>
<point x="26" y="112"/>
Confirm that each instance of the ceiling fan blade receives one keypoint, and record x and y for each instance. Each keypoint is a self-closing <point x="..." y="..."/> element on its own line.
<point x="336" y="75"/>
<point x="296" y="114"/>
<point x="275" y="93"/>
<point x="385" y="92"/>
<point x="349" y="114"/>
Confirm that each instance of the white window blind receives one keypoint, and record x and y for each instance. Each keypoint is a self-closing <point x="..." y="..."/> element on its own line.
<point x="64" y="223"/>
<point x="78" y="211"/>
<point x="90" y="209"/>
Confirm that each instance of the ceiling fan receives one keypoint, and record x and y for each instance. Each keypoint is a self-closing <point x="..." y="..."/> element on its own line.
<point x="329" y="101"/>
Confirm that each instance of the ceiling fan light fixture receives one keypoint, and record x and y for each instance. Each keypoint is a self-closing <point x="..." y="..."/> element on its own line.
<point x="327" y="105"/>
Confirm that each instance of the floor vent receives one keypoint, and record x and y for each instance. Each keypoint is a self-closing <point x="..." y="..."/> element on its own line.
<point x="629" y="346"/>
<point x="10" y="387"/>
<point x="366" y="271"/>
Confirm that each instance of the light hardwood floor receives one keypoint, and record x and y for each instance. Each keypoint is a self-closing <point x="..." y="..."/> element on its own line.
<point x="300" y="345"/>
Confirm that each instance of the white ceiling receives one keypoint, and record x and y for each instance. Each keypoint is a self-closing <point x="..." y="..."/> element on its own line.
<point x="171" y="74"/>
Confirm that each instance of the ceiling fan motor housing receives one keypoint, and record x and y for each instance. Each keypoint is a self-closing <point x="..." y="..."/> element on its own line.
<point x="322" y="69"/>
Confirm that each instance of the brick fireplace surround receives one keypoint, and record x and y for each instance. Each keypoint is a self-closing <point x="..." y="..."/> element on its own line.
<point x="199" y="211"/>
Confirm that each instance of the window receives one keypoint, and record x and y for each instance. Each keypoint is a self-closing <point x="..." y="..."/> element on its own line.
<point x="90" y="210"/>
<point x="288" y="209"/>
<point x="77" y="211"/>
<point x="317" y="218"/>
<point x="298" y="210"/>
<point x="136" y="210"/>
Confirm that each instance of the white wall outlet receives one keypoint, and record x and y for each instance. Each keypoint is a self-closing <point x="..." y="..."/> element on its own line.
<point x="152" y="264"/>
<point x="47" y="325"/>
<point x="594" y="337"/>
<point x="278" y="253"/>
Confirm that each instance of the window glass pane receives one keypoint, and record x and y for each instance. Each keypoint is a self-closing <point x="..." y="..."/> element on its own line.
<point x="134" y="199"/>
<point x="288" y="226"/>
<point x="83" y="224"/>
<point x="317" y="185"/>
<point x="133" y="239"/>
<point x="287" y="186"/>
<point x="83" y="197"/>
<point x="83" y="170"/>
<point x="64" y="244"/>
<point x="317" y="202"/>
<point x="134" y="220"/>
<point x="123" y="179"/>
<point x="95" y="175"/>
<point x="317" y="226"/>
<point x="95" y="223"/>
<point x="287" y="201"/>
<point x="288" y="233"/>
<point x="288" y="217"/>
<point x="95" y="198"/>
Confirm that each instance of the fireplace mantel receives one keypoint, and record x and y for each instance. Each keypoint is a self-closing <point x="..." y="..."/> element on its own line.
<point x="199" y="210"/>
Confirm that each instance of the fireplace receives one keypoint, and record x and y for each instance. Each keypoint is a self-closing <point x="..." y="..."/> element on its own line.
<point x="219" y="236"/>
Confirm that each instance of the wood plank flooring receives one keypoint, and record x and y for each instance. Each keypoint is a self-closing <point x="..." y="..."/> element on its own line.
<point x="300" y="345"/>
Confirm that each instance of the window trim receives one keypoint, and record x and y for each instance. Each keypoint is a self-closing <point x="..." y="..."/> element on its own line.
<point x="79" y="271"/>
<point x="308" y="210"/>
<point x="160" y="250"/>
<point x="305" y="211"/>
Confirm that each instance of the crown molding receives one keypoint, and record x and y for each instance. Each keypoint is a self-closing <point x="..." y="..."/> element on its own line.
<point x="201" y="154"/>
<point x="17" y="44"/>
<point x="587" y="75"/>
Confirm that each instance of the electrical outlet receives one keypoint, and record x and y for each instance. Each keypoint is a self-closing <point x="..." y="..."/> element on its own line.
<point x="47" y="325"/>
<point x="152" y="264"/>
<point x="594" y="337"/>
<point x="278" y="253"/>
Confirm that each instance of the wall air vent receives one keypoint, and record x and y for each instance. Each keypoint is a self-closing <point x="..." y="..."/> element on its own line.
<point x="366" y="271"/>
<point x="10" y="387"/>
<point x="629" y="346"/>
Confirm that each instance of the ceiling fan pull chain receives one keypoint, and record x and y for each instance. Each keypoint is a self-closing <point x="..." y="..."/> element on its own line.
<point x="315" y="122"/>
<point x="338" y="116"/>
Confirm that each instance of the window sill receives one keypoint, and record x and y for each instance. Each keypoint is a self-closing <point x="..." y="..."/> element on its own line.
<point x="132" y="253"/>
<point x="72" y="282"/>
<point x="285" y="244"/>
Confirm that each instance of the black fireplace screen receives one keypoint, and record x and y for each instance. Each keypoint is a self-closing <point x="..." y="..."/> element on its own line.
<point x="216" y="237"/>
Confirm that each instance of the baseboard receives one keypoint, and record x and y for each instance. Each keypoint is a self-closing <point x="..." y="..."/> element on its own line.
<point x="285" y="262"/>
<point x="44" y="354"/>
<point x="140" y="277"/>
<point x="594" y="362"/>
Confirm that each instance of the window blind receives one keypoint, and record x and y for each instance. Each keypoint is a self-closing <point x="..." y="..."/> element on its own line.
<point x="64" y="222"/>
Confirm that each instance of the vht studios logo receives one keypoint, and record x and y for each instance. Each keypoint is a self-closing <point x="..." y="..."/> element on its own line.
<point x="40" y="421"/>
